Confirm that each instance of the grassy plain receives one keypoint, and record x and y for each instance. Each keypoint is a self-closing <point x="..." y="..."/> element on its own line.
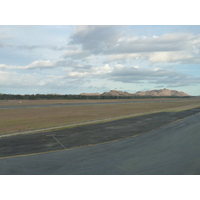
<point x="47" y="102"/>
<point x="17" y="120"/>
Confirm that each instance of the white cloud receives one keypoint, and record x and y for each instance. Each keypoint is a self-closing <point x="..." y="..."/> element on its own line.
<point x="96" y="71"/>
<point x="14" y="79"/>
<point x="33" y="81"/>
<point x="101" y="70"/>
<point x="156" y="69"/>
<point x="3" y="66"/>
<point x="33" y="65"/>
<point x="40" y="64"/>
<point x="170" y="56"/>
<point x="76" y="74"/>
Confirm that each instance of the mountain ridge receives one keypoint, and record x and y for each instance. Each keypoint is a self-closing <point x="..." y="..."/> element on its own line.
<point x="159" y="92"/>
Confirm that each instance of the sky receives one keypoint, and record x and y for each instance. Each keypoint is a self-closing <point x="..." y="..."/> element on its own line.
<point x="72" y="59"/>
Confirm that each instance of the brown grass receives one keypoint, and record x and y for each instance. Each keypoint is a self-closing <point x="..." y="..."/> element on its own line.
<point x="41" y="102"/>
<point x="16" y="120"/>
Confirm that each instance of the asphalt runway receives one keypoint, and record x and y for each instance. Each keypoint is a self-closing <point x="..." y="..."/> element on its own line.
<point x="82" y="104"/>
<point x="172" y="150"/>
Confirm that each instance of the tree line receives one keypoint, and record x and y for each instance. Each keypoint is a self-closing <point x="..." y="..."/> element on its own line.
<point x="73" y="96"/>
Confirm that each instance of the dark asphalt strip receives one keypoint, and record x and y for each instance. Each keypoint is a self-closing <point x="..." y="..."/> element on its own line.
<point x="59" y="142"/>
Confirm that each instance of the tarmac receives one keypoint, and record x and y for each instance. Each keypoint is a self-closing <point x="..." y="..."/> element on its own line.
<point x="159" y="143"/>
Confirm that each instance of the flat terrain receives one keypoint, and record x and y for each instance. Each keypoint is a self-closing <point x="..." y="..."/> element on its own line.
<point x="88" y="134"/>
<point x="81" y="101"/>
<point x="13" y="104"/>
<point x="33" y="115"/>
<point x="170" y="149"/>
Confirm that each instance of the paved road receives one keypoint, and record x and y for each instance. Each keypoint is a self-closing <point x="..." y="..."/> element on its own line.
<point x="82" y="104"/>
<point x="173" y="149"/>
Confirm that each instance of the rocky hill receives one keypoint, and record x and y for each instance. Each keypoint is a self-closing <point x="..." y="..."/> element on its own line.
<point x="161" y="92"/>
<point x="116" y="93"/>
<point x="91" y="94"/>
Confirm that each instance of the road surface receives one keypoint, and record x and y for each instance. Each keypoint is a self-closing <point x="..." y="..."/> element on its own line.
<point x="172" y="150"/>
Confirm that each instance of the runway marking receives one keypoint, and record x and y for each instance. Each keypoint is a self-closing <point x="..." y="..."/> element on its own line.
<point x="89" y="145"/>
<point x="59" y="142"/>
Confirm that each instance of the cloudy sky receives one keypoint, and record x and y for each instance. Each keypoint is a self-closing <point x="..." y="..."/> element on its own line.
<point x="74" y="59"/>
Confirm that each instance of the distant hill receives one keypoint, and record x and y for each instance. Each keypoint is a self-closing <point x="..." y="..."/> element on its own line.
<point x="161" y="92"/>
<point x="91" y="94"/>
<point x="116" y="93"/>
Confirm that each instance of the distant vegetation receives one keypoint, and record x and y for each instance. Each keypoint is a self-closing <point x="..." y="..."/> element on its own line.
<point x="71" y="96"/>
<point x="113" y="94"/>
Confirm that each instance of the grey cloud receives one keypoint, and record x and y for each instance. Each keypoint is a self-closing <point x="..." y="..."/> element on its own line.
<point x="143" y="74"/>
<point x="123" y="58"/>
<point x="81" y="67"/>
<point x="134" y="75"/>
<point x="32" y="47"/>
<point x="5" y="45"/>
<point x="160" y="76"/>
<point x="167" y="42"/>
<point x="5" y="37"/>
<point x="142" y="45"/>
<point x="193" y="60"/>
<point x="65" y="63"/>
<point x="76" y="54"/>
<point x="110" y="40"/>
<point x="177" y="81"/>
<point x="96" y="39"/>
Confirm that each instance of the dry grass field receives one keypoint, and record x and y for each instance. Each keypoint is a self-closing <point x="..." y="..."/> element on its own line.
<point x="46" y="102"/>
<point x="17" y="120"/>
